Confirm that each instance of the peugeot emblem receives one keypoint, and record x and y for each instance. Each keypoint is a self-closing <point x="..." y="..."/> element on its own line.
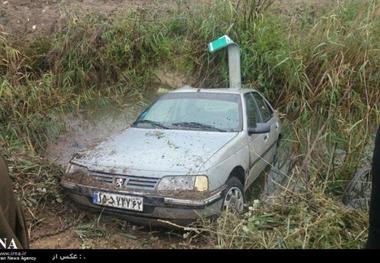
<point x="119" y="182"/>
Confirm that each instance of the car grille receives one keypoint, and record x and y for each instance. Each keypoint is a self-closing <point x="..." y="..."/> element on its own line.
<point x="139" y="182"/>
<point x="102" y="178"/>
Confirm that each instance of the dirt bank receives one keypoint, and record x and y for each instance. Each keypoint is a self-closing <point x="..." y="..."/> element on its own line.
<point x="27" y="18"/>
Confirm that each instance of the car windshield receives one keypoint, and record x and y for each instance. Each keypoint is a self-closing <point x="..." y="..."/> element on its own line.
<point x="194" y="111"/>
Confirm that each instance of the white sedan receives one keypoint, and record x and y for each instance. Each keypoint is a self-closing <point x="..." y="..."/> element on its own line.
<point x="192" y="152"/>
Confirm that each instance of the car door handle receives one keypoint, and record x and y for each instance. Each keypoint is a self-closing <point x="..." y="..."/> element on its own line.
<point x="265" y="137"/>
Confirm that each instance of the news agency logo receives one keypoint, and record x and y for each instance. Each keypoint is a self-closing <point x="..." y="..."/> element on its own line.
<point x="6" y="243"/>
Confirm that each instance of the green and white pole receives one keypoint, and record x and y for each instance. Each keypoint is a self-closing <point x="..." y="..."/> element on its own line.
<point x="234" y="70"/>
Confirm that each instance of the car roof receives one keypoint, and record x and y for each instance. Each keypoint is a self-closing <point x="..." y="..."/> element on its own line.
<point x="216" y="90"/>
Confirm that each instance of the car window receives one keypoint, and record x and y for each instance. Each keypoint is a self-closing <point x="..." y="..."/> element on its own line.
<point x="252" y="116"/>
<point x="195" y="110"/>
<point x="265" y="111"/>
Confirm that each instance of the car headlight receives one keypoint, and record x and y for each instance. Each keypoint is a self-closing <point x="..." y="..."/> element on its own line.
<point x="184" y="183"/>
<point x="73" y="168"/>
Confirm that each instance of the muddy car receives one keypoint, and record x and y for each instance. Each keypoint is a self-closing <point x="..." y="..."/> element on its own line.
<point x="191" y="153"/>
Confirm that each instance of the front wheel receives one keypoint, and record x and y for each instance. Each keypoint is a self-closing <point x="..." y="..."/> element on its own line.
<point x="234" y="196"/>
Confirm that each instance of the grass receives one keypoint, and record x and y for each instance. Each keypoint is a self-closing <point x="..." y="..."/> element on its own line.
<point x="320" y="69"/>
<point x="293" y="220"/>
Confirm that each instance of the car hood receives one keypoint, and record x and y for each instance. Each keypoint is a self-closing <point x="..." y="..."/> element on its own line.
<point x="154" y="150"/>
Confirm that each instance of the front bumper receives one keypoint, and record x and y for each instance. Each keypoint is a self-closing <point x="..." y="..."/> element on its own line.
<point x="157" y="208"/>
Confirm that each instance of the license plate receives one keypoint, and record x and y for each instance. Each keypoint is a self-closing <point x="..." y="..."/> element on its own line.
<point x="134" y="203"/>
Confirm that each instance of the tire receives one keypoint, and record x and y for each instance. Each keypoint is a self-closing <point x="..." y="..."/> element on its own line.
<point x="233" y="197"/>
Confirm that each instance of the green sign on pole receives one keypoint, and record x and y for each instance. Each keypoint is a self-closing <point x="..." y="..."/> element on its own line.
<point x="233" y="58"/>
<point x="219" y="43"/>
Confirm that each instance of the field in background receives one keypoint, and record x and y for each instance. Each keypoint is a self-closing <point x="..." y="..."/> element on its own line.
<point x="318" y="63"/>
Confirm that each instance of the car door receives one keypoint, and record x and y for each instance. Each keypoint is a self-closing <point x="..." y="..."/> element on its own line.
<point x="256" y="142"/>
<point x="267" y="116"/>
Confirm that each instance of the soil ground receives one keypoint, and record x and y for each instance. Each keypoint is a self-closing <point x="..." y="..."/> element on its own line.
<point x="26" y="18"/>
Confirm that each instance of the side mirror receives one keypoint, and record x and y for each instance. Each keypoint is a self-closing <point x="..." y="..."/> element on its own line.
<point x="260" y="129"/>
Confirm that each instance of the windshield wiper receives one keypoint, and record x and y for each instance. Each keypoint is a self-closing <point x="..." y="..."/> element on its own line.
<point x="197" y="125"/>
<point x="153" y="123"/>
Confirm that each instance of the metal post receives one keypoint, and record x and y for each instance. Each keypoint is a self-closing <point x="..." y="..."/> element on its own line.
<point x="233" y="58"/>
<point x="234" y="70"/>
